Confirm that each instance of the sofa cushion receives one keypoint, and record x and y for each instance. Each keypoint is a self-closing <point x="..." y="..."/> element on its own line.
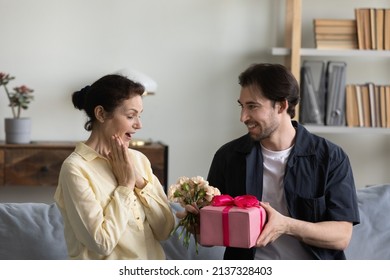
<point x="31" y="231"/>
<point x="371" y="238"/>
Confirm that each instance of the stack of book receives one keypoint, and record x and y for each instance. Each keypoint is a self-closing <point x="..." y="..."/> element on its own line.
<point x="367" y="105"/>
<point x="335" y="33"/>
<point x="373" y="28"/>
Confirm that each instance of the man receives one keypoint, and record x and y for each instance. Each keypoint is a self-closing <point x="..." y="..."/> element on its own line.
<point x="304" y="182"/>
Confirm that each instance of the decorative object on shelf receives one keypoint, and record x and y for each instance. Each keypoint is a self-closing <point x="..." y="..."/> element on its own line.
<point x="140" y="142"/>
<point x="17" y="129"/>
<point x="139" y="77"/>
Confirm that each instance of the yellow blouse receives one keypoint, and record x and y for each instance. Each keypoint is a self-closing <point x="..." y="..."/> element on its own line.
<point x="106" y="221"/>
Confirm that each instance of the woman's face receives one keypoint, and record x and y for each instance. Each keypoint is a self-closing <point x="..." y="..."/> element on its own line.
<point x="125" y="120"/>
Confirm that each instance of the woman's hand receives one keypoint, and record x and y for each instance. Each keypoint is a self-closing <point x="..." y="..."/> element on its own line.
<point x="122" y="167"/>
<point x="193" y="209"/>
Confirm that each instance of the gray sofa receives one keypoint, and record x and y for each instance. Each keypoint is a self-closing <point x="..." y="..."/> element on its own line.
<point x="35" y="231"/>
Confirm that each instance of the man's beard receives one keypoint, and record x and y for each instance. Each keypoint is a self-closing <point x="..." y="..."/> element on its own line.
<point x="264" y="133"/>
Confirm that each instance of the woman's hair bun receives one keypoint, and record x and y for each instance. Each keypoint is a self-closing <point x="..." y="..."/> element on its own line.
<point x="78" y="97"/>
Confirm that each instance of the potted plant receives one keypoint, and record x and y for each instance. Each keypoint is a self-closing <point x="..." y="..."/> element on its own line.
<point x="17" y="129"/>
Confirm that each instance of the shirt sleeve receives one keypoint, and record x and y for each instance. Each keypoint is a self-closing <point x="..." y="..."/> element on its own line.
<point x="158" y="213"/>
<point x="341" y="197"/>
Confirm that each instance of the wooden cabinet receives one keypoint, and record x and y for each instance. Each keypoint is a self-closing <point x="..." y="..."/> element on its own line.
<point x="39" y="163"/>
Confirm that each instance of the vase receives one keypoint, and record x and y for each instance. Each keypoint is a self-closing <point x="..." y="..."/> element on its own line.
<point x="17" y="130"/>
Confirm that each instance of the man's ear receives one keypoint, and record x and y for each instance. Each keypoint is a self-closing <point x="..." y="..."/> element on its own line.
<point x="283" y="105"/>
<point x="100" y="113"/>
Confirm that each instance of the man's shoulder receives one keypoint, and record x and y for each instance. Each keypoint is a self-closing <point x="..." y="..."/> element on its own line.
<point x="240" y="144"/>
<point x="313" y="143"/>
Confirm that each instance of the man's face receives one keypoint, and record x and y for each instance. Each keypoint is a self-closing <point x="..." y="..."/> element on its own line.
<point x="258" y="113"/>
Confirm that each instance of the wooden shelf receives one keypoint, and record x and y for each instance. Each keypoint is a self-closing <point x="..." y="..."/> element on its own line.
<point x="347" y="130"/>
<point x="324" y="52"/>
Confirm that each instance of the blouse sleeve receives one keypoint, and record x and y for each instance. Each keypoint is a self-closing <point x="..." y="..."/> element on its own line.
<point x="158" y="213"/>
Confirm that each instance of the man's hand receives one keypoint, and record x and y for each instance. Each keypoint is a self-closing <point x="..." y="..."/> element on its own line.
<point x="274" y="228"/>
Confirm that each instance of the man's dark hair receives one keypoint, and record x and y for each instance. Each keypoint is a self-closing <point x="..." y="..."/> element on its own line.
<point x="275" y="82"/>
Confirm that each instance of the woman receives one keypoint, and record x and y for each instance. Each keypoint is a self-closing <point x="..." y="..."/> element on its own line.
<point x="112" y="204"/>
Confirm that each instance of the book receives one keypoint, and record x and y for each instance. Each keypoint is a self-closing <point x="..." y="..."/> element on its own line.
<point x="313" y="92"/>
<point x="336" y="37"/>
<point x="379" y="21"/>
<point x="372" y="24"/>
<point x="386" y="35"/>
<point x="387" y="98"/>
<point x="334" y="29"/>
<point x="383" y="104"/>
<point x="378" y="112"/>
<point x="336" y="77"/>
<point x="351" y="106"/>
<point x="359" y="100"/>
<point x="371" y="94"/>
<point x="366" y="105"/>
<point x="367" y="28"/>
<point x="335" y="22"/>
<point x="360" y="29"/>
<point x="336" y="44"/>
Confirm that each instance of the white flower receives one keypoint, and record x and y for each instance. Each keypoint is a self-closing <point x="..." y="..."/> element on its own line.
<point x="189" y="191"/>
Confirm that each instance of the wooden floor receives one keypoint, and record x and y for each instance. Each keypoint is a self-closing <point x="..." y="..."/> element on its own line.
<point x="27" y="194"/>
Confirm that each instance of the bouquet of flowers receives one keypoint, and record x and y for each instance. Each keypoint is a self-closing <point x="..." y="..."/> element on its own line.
<point x="194" y="191"/>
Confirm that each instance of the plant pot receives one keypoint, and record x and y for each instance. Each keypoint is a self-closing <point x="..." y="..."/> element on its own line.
<point x="17" y="130"/>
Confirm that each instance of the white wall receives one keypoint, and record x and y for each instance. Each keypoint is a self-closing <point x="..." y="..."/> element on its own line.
<point x="194" y="49"/>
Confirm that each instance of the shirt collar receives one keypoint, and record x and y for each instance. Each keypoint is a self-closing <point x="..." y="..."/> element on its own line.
<point x="87" y="152"/>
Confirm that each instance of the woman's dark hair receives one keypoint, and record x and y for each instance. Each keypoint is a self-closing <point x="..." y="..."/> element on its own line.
<point x="109" y="92"/>
<point x="275" y="81"/>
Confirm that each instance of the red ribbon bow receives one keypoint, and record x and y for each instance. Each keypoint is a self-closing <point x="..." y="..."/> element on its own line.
<point x="242" y="201"/>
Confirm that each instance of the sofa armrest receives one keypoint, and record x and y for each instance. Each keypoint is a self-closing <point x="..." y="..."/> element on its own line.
<point x="371" y="238"/>
<point x="31" y="231"/>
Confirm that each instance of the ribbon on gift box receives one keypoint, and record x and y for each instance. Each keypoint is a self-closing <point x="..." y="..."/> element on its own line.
<point x="242" y="201"/>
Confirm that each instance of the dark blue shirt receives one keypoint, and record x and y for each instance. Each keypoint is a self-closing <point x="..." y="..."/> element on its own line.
<point x="318" y="182"/>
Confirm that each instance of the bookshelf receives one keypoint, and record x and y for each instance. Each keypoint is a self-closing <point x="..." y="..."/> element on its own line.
<point x="293" y="52"/>
<point x="367" y="147"/>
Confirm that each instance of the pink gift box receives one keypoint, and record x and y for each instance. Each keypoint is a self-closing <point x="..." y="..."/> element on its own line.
<point x="231" y="226"/>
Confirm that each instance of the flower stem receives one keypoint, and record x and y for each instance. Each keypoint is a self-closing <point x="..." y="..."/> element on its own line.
<point x="9" y="98"/>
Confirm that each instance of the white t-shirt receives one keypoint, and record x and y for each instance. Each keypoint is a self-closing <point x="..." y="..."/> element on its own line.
<point x="285" y="247"/>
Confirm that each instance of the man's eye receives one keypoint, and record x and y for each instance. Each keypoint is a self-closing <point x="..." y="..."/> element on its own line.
<point x="251" y="107"/>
